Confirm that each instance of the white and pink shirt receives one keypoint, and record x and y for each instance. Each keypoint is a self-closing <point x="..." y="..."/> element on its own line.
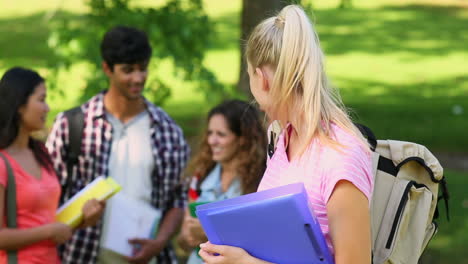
<point x="320" y="168"/>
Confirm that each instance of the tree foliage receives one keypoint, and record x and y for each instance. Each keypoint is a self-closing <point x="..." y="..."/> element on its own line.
<point x="179" y="30"/>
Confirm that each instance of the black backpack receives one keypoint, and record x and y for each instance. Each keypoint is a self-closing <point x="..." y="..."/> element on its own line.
<point x="75" y="118"/>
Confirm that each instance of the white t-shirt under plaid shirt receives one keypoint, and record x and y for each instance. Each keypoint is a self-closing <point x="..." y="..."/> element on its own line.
<point x="320" y="168"/>
<point x="169" y="151"/>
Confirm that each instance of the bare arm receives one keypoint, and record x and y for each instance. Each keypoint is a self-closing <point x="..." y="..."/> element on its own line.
<point x="349" y="223"/>
<point x="170" y="224"/>
<point x="13" y="239"/>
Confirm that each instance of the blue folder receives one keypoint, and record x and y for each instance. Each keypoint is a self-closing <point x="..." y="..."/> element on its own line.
<point x="276" y="225"/>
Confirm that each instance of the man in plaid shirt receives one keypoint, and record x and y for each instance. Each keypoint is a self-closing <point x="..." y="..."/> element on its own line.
<point x="130" y="139"/>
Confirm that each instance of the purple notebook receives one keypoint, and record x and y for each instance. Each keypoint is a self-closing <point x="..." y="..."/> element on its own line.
<point x="275" y="225"/>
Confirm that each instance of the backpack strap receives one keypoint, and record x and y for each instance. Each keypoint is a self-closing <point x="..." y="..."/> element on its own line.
<point x="75" y="118"/>
<point x="11" y="206"/>
<point x="445" y="196"/>
<point x="368" y="134"/>
<point x="271" y="144"/>
<point x="274" y="132"/>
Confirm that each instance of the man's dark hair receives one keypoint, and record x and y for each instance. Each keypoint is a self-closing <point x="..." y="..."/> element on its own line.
<point x="123" y="44"/>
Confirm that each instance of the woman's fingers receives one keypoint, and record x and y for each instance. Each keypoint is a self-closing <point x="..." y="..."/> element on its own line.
<point x="213" y="249"/>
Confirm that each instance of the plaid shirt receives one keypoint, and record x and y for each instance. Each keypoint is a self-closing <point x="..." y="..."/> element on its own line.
<point x="170" y="153"/>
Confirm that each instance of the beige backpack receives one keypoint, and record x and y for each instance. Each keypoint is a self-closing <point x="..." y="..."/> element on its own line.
<point x="404" y="201"/>
<point x="407" y="178"/>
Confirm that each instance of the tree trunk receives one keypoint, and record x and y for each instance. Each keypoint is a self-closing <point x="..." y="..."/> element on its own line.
<point x="253" y="12"/>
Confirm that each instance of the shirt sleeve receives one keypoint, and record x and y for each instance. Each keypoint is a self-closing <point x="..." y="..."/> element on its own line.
<point x="352" y="164"/>
<point x="180" y="191"/>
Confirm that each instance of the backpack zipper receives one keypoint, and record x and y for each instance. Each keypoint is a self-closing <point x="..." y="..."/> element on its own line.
<point x="398" y="214"/>
<point x="401" y="206"/>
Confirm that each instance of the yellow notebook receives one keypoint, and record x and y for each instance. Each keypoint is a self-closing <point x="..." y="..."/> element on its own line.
<point x="101" y="188"/>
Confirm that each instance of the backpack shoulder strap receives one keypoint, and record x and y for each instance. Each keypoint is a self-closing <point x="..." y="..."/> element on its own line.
<point x="368" y="134"/>
<point x="274" y="130"/>
<point x="75" y="118"/>
<point x="11" y="206"/>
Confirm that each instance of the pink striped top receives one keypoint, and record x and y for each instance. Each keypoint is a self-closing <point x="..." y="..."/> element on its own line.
<point x="320" y="168"/>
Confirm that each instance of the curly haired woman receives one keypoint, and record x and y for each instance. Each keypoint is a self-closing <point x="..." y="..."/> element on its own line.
<point x="230" y="162"/>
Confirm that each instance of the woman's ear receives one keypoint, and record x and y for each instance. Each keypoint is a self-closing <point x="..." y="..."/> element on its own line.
<point x="263" y="78"/>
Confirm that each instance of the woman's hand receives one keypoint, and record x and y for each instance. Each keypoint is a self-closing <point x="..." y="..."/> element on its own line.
<point x="92" y="212"/>
<point x="196" y="230"/>
<point x="144" y="250"/>
<point x="217" y="254"/>
<point x="59" y="232"/>
<point x="191" y="234"/>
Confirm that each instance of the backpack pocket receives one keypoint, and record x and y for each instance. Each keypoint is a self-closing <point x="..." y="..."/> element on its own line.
<point x="404" y="224"/>
<point x="431" y="230"/>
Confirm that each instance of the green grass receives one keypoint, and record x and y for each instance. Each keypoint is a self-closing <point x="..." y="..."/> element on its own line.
<point x="401" y="66"/>
<point x="449" y="244"/>
<point x="402" y="69"/>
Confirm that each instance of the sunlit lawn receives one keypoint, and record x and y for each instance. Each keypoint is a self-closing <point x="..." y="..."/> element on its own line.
<point x="401" y="68"/>
<point x="400" y="65"/>
<point x="449" y="245"/>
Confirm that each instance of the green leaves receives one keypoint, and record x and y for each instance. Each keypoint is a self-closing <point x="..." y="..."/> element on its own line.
<point x="179" y="30"/>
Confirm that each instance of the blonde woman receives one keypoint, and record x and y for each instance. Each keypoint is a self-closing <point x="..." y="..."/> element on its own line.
<point x="319" y="145"/>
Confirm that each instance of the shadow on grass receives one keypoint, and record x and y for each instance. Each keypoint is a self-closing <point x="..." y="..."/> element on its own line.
<point x="419" y="29"/>
<point x="396" y="112"/>
<point x="403" y="112"/>
<point x="421" y="112"/>
<point x="449" y="244"/>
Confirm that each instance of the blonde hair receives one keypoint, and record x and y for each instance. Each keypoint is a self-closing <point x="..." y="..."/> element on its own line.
<point x="289" y="44"/>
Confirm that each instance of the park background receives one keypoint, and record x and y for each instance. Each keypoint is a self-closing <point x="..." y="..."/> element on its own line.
<point x="401" y="66"/>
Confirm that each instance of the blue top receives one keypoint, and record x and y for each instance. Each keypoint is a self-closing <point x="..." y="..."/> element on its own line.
<point x="211" y="191"/>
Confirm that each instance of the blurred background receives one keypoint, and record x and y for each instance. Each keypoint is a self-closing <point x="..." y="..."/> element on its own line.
<point x="401" y="66"/>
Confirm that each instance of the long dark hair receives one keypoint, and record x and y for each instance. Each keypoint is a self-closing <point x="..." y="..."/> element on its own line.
<point x="243" y="120"/>
<point x="16" y="86"/>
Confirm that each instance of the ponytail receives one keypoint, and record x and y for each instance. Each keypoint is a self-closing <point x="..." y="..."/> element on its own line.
<point x="300" y="91"/>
